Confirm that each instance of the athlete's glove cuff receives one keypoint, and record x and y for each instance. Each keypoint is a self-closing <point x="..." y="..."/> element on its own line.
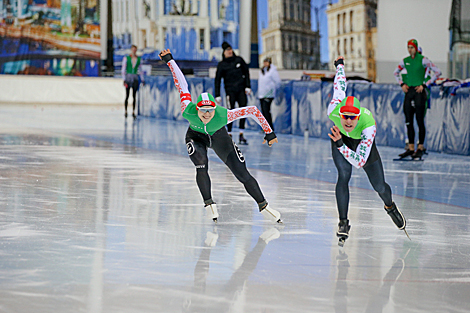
<point x="339" y="143"/>
<point x="166" y="58"/>
<point x="270" y="137"/>
<point x="338" y="62"/>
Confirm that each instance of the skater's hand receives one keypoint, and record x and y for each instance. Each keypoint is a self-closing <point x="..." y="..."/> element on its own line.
<point x="125" y="85"/>
<point x="218" y="100"/>
<point x="336" y="136"/>
<point x="419" y="89"/>
<point x="270" y="138"/>
<point x="166" y="56"/>
<point x="338" y="61"/>
<point x="247" y="91"/>
<point x="405" y="88"/>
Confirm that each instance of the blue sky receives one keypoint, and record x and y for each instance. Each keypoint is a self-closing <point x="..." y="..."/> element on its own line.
<point x="263" y="21"/>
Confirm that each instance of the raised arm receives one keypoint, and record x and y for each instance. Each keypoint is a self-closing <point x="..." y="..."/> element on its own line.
<point x="339" y="85"/>
<point x="178" y="78"/>
<point x="255" y="114"/>
<point x="429" y="65"/>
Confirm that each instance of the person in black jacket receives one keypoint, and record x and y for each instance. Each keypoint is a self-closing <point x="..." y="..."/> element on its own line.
<point x="236" y="75"/>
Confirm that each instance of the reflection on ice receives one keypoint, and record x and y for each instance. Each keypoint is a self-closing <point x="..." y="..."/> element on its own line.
<point x="100" y="215"/>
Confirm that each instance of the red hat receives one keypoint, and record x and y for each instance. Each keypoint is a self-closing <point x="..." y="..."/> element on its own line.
<point x="414" y="43"/>
<point x="205" y="99"/>
<point x="350" y="105"/>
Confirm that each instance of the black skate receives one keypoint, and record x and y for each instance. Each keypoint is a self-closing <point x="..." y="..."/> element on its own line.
<point x="397" y="217"/>
<point x="242" y="140"/>
<point x="343" y="231"/>
<point x="418" y="154"/>
<point x="406" y="153"/>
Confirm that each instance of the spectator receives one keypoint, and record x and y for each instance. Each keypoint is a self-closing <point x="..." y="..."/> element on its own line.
<point x="413" y="85"/>
<point x="131" y="71"/>
<point x="268" y="82"/>
<point x="234" y="71"/>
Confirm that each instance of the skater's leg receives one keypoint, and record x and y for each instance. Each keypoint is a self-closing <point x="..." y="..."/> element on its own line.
<point x="409" y="111"/>
<point x="128" y="89"/>
<point x="375" y="172"/>
<point x="238" y="167"/>
<point x="344" y="175"/>
<point x="421" y="102"/>
<point x="135" y="87"/>
<point x="198" y="154"/>
<point x="266" y="110"/>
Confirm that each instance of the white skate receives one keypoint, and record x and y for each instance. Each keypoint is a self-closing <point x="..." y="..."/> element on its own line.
<point x="271" y="214"/>
<point x="212" y="211"/>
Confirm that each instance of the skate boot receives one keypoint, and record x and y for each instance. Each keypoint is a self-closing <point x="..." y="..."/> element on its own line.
<point x="396" y="216"/>
<point x="212" y="211"/>
<point x="242" y="140"/>
<point x="406" y="153"/>
<point x="418" y="154"/>
<point x="270" y="214"/>
<point x="343" y="231"/>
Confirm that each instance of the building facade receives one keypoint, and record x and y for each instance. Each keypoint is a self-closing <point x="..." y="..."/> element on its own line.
<point x="193" y="30"/>
<point x="352" y="33"/>
<point x="289" y="40"/>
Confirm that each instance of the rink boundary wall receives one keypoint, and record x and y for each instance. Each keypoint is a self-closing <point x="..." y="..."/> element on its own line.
<point x="23" y="89"/>
<point x="300" y="107"/>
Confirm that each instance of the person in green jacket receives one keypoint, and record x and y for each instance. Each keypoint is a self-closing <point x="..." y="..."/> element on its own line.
<point x="414" y="86"/>
<point x="207" y="122"/>
<point x="131" y="71"/>
<point x="353" y="144"/>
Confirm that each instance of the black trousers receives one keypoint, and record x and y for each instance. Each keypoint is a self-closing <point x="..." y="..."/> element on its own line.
<point x="266" y="110"/>
<point x="240" y="98"/>
<point x="223" y="145"/>
<point x="375" y="173"/>
<point x="135" y="86"/>
<point x="415" y="103"/>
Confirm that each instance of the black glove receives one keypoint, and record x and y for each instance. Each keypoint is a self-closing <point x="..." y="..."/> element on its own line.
<point x="338" y="62"/>
<point x="166" y="58"/>
<point x="339" y="143"/>
<point x="269" y="137"/>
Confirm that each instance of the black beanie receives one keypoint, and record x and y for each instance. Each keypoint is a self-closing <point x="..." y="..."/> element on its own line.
<point x="226" y="45"/>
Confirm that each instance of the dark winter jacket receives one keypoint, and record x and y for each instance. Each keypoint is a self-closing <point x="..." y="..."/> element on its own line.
<point x="235" y="73"/>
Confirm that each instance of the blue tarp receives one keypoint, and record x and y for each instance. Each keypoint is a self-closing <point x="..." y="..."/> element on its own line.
<point x="301" y="106"/>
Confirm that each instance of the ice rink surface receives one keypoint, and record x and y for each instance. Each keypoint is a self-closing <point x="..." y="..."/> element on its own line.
<point x="103" y="215"/>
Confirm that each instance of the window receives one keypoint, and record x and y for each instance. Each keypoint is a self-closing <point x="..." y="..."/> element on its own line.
<point x="201" y="38"/>
<point x="352" y="45"/>
<point x="338" y="50"/>
<point x="339" y="23"/>
<point x="344" y="22"/>
<point x="345" y="48"/>
<point x="351" y="14"/>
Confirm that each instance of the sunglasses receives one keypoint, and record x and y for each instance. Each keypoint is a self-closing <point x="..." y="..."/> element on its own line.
<point x="206" y="110"/>
<point x="351" y="117"/>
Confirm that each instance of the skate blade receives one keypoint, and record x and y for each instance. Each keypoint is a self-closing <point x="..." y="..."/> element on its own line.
<point x="215" y="220"/>
<point x="279" y="221"/>
<point x="341" y="242"/>
<point x="407" y="234"/>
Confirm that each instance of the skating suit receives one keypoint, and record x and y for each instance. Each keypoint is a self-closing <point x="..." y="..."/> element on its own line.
<point x="200" y="137"/>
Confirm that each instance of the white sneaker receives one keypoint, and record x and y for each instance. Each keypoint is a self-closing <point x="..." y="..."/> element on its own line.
<point x="270" y="234"/>
<point x="212" y="211"/>
<point x="271" y="214"/>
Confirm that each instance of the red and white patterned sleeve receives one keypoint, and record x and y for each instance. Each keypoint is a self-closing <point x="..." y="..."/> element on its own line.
<point x="251" y="111"/>
<point x="429" y="65"/>
<point x="397" y="72"/>
<point x="181" y="84"/>
<point x="359" y="157"/>
<point x="339" y="88"/>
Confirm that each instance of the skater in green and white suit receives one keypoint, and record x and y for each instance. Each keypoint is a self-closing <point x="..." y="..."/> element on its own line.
<point x="353" y="144"/>
<point x="206" y="130"/>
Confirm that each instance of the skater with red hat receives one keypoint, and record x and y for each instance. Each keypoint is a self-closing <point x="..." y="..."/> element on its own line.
<point x="353" y="144"/>
<point x="207" y="122"/>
